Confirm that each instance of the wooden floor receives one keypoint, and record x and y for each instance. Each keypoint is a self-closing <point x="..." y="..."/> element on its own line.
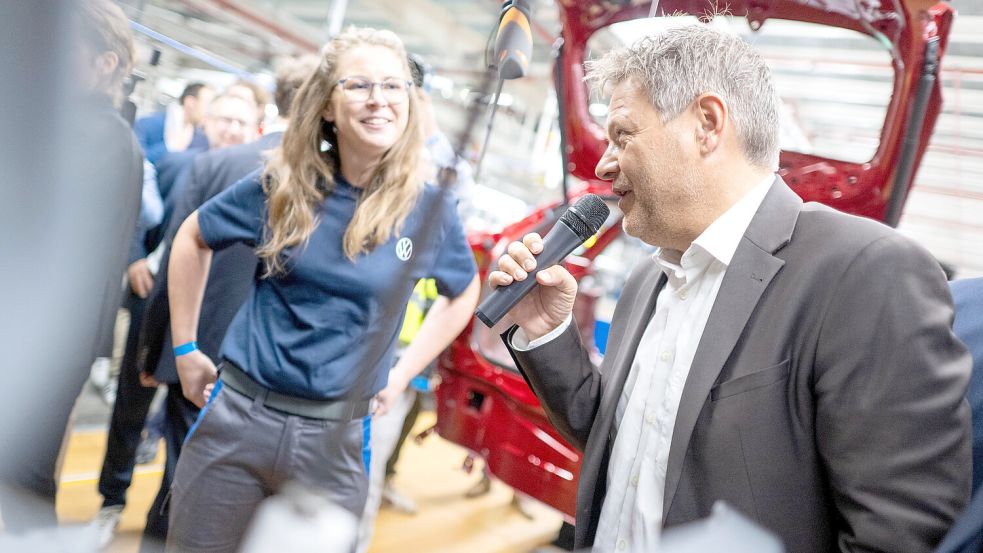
<point x="429" y="473"/>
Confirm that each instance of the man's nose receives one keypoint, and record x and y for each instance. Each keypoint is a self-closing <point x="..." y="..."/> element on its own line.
<point x="607" y="167"/>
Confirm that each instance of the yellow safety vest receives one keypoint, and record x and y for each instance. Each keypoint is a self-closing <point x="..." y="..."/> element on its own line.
<point x="424" y="294"/>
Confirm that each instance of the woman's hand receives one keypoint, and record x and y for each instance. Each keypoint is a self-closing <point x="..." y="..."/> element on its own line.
<point x="209" y="388"/>
<point x="197" y="373"/>
<point x="387" y="398"/>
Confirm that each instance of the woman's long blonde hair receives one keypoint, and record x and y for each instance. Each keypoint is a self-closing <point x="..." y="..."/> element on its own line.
<point x="299" y="175"/>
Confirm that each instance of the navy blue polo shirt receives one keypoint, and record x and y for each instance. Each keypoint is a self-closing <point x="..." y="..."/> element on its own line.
<point x="311" y="331"/>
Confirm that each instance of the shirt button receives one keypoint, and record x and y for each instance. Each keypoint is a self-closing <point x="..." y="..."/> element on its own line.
<point x="682" y="295"/>
<point x="666" y="355"/>
<point x="622" y="545"/>
<point x="634" y="481"/>
<point x="650" y="417"/>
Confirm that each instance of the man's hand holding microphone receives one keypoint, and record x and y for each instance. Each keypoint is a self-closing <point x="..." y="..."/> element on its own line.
<point x="547" y="305"/>
<point x="538" y="310"/>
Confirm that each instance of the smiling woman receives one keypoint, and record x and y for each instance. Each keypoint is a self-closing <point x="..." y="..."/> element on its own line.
<point x="345" y="228"/>
<point x="373" y="141"/>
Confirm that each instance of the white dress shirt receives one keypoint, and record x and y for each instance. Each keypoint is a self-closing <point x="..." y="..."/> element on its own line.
<point x="631" y="516"/>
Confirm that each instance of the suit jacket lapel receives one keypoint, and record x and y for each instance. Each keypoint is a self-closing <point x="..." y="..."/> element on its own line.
<point x="748" y="275"/>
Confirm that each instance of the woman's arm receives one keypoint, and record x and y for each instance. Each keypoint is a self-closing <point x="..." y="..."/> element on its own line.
<point x="445" y="320"/>
<point x="186" y="276"/>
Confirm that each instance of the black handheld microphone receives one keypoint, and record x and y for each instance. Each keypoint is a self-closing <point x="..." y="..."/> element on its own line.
<point x="576" y="225"/>
<point x="513" y="45"/>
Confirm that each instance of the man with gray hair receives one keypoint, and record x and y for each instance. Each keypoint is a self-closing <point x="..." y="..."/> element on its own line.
<point x="754" y="358"/>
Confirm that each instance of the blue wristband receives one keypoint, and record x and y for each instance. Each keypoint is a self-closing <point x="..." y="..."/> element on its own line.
<point x="420" y="383"/>
<point x="184" y="349"/>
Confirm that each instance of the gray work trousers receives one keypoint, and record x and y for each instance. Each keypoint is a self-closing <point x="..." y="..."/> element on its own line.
<point x="239" y="452"/>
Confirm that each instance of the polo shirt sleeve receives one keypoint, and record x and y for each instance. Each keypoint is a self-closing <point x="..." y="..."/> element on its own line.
<point x="235" y="215"/>
<point x="454" y="267"/>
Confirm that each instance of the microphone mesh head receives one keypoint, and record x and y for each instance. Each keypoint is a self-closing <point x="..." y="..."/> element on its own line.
<point x="586" y="216"/>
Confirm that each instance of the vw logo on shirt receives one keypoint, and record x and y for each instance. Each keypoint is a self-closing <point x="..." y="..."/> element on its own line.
<point x="404" y="249"/>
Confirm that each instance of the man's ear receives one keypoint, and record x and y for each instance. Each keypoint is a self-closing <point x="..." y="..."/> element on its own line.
<point x="106" y="63"/>
<point x="711" y="115"/>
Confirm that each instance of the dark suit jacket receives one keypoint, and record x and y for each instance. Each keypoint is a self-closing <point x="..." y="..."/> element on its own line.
<point x="173" y="171"/>
<point x="825" y="399"/>
<point x="967" y="534"/>
<point x="109" y="166"/>
<point x="968" y="296"/>
<point x="150" y="133"/>
<point x="233" y="269"/>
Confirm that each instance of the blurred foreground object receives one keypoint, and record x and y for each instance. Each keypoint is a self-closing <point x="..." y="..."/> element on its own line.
<point x="74" y="176"/>
<point x="724" y="530"/>
<point x="71" y="539"/>
<point x="300" y="521"/>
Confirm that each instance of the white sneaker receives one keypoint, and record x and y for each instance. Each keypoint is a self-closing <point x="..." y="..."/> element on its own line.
<point x="99" y="372"/>
<point x="397" y="501"/>
<point x="108" y="392"/>
<point x="105" y="523"/>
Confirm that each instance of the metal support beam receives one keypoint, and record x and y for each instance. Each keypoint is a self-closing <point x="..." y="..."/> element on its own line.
<point x="336" y="17"/>
<point x="256" y="19"/>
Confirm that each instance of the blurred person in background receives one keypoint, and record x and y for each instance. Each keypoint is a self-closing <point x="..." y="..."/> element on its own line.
<point x="230" y="280"/>
<point x="107" y="164"/>
<point x="177" y="128"/>
<point x="231" y="121"/>
<point x="151" y="214"/>
<point x="251" y="92"/>
<point x="440" y="161"/>
<point x="337" y="214"/>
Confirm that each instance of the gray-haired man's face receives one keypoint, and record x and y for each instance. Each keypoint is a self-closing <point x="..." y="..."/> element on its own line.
<point x="650" y="165"/>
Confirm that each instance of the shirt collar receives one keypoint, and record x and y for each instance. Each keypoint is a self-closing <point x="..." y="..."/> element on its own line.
<point x="720" y="240"/>
<point x="341" y="188"/>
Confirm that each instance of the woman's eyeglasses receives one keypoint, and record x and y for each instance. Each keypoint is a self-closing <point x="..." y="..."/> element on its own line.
<point x="359" y="89"/>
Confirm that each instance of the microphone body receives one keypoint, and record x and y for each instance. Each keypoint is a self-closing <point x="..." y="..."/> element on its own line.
<point x="557" y="244"/>
<point x="513" y="44"/>
<point x="574" y="227"/>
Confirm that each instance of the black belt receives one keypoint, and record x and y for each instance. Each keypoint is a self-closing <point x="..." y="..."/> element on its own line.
<point x="338" y="410"/>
